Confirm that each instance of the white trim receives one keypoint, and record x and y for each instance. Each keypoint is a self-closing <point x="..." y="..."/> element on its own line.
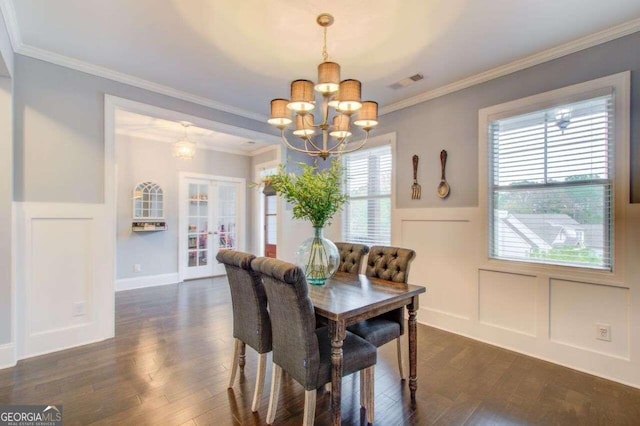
<point x="574" y="46"/>
<point x="621" y="84"/>
<point x="147" y="281"/>
<point x="7" y="355"/>
<point x="11" y="22"/>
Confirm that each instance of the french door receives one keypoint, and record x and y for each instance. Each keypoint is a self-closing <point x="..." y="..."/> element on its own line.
<point x="211" y="219"/>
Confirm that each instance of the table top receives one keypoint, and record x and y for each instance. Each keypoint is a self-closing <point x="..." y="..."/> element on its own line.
<point x="352" y="297"/>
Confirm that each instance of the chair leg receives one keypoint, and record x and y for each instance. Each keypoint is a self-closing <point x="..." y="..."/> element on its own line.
<point x="401" y="365"/>
<point x="234" y="362"/>
<point x="309" y="407"/>
<point x="275" y="393"/>
<point x="367" y="382"/>
<point x="257" y="393"/>
<point x="363" y="388"/>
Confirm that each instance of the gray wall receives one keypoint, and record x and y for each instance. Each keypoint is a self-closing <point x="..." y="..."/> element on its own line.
<point x="5" y="210"/>
<point x="59" y="130"/>
<point x="451" y="122"/>
<point x="141" y="160"/>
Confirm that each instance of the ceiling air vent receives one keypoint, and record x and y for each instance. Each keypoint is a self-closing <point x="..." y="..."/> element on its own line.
<point x="406" y="81"/>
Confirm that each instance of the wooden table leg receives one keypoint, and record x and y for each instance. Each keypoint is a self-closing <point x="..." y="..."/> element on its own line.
<point x="338" y="332"/>
<point x="413" y="347"/>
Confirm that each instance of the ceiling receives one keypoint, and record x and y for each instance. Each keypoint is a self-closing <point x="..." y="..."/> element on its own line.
<point x="161" y="130"/>
<point x="238" y="55"/>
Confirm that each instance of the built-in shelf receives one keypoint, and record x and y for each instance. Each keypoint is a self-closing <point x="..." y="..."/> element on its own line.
<point x="149" y="226"/>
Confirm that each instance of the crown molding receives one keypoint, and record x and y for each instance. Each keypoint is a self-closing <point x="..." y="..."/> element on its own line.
<point x="11" y="22"/>
<point x="577" y="45"/>
<point x="65" y="61"/>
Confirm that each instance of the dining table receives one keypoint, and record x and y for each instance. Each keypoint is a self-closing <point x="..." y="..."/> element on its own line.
<point x="345" y="299"/>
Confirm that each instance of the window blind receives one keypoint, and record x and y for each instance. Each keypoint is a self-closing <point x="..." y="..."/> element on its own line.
<point x="551" y="185"/>
<point x="367" y="216"/>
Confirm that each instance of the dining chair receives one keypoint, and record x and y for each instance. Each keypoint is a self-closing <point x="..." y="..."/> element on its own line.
<point x="300" y="349"/>
<point x="251" y="324"/>
<point x="351" y="256"/>
<point x="389" y="264"/>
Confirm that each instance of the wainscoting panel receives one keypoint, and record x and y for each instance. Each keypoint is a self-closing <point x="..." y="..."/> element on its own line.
<point x="546" y="312"/>
<point x="507" y="301"/>
<point x="64" y="277"/>
<point x="576" y="308"/>
<point x="7" y="355"/>
<point x="446" y="250"/>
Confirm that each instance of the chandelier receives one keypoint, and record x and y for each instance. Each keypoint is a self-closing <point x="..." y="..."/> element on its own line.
<point x="184" y="148"/>
<point x="340" y="101"/>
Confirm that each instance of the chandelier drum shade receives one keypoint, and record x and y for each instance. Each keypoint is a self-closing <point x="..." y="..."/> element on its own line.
<point x="184" y="148"/>
<point x="341" y="107"/>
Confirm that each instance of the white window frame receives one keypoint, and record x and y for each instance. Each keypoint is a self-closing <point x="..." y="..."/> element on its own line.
<point x="620" y="83"/>
<point x="374" y="142"/>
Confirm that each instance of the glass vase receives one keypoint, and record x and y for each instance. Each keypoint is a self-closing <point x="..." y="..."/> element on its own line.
<point x="318" y="257"/>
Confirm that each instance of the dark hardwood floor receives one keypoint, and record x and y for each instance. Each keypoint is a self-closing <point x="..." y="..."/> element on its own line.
<point x="169" y="362"/>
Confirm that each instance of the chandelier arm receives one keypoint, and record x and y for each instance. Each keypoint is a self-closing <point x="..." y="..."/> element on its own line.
<point x="304" y="151"/>
<point x="359" y="145"/>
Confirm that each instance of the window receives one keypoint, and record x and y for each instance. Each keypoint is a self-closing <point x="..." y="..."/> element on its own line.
<point x="551" y="184"/>
<point x="367" y="216"/>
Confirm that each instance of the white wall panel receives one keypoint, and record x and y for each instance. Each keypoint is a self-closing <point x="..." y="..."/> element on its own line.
<point x="507" y="301"/>
<point x="576" y="308"/>
<point x="537" y="311"/>
<point x="62" y="259"/>
<point x="445" y="264"/>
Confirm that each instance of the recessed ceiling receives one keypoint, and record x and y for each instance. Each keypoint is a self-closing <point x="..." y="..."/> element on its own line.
<point x="244" y="53"/>
<point x="158" y="129"/>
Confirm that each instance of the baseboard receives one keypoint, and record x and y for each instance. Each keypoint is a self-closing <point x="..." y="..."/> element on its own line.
<point x="7" y="355"/>
<point x="147" y="281"/>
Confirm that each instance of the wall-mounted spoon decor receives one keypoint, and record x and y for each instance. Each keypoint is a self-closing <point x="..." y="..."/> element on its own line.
<point x="443" y="187"/>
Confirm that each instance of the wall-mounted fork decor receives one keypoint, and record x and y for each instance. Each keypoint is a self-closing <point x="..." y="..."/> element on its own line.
<point x="416" y="190"/>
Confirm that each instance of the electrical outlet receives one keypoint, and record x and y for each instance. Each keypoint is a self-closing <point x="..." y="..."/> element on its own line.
<point x="603" y="332"/>
<point x="78" y="309"/>
<point x="137" y="267"/>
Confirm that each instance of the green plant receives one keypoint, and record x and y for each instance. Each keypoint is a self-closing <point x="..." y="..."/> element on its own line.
<point x="316" y="194"/>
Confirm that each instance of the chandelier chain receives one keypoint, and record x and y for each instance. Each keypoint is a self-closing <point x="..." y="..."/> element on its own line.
<point x="325" y="55"/>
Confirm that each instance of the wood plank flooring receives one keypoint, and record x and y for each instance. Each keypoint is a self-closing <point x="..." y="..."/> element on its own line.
<point x="170" y="359"/>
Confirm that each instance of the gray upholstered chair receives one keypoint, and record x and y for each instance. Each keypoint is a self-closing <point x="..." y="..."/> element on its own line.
<point x="300" y="349"/>
<point x="251" y="324"/>
<point x="389" y="264"/>
<point x="351" y="256"/>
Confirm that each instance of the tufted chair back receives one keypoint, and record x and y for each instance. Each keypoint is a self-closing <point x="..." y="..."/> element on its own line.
<point x="251" y="322"/>
<point x="295" y="344"/>
<point x="390" y="263"/>
<point x="351" y="256"/>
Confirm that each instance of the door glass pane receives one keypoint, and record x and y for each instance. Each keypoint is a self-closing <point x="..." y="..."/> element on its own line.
<point x="198" y="225"/>
<point x="227" y="195"/>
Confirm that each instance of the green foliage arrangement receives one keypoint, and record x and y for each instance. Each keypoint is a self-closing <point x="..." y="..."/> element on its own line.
<point x="316" y="194"/>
